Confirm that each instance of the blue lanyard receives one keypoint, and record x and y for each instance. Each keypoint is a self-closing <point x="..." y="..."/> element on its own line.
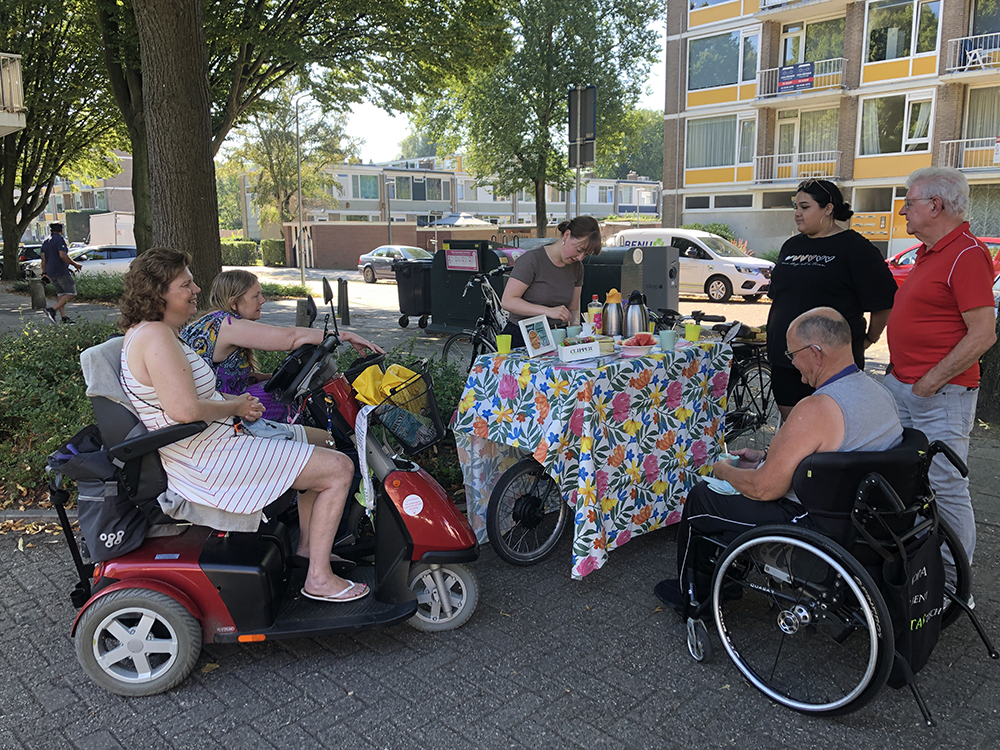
<point x="849" y="370"/>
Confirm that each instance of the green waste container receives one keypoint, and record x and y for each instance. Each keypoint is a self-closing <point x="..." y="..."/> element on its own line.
<point x="454" y="264"/>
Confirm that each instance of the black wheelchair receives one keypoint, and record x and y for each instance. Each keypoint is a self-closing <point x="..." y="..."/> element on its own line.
<point x="805" y="614"/>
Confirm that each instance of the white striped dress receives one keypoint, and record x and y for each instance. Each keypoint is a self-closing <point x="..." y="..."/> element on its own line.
<point x="217" y="467"/>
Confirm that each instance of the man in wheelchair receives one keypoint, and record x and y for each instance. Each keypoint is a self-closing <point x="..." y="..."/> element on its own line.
<point x="848" y="412"/>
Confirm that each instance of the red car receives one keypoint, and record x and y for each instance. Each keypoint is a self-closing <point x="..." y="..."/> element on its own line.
<point x="901" y="264"/>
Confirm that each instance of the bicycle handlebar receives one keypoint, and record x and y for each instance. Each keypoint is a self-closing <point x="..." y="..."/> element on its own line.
<point x="482" y="278"/>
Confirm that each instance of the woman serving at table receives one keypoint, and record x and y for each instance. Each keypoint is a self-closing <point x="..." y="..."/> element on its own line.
<point x="547" y="280"/>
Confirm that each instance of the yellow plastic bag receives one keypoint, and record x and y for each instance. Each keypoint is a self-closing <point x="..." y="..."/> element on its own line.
<point x="395" y="376"/>
<point x="369" y="386"/>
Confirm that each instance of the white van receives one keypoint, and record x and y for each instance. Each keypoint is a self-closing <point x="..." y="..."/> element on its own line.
<point x="709" y="264"/>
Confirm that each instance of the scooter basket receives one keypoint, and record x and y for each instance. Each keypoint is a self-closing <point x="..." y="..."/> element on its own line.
<point x="410" y="413"/>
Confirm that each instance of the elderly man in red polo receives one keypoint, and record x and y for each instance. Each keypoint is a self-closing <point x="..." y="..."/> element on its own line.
<point x="941" y="324"/>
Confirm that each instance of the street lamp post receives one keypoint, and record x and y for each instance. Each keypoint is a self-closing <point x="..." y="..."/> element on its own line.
<point x="298" y="169"/>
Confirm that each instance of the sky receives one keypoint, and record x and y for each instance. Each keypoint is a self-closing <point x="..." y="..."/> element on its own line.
<point x="381" y="132"/>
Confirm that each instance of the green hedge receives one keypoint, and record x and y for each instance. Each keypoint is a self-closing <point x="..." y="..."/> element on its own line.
<point x="718" y="228"/>
<point x="273" y="252"/>
<point x="240" y="253"/>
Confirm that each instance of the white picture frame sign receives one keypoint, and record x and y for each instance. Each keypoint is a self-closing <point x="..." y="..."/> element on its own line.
<point x="537" y="335"/>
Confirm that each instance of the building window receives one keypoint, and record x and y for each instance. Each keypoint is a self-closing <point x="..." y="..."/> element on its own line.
<point x="812" y="42"/>
<point x="364" y="186"/>
<point x="985" y="19"/>
<point x="605" y="194"/>
<point x="895" y="31"/>
<point x="390" y="188"/>
<point x="748" y="141"/>
<point x="751" y="43"/>
<point x="744" y="200"/>
<point x="434" y="189"/>
<point x="695" y="4"/>
<point x="711" y="142"/>
<point x="445" y="189"/>
<point x="896" y="124"/>
<point x="404" y="188"/>
<point x="714" y="61"/>
<point x="626" y="195"/>
<point x="697" y="201"/>
<point x="983" y="120"/>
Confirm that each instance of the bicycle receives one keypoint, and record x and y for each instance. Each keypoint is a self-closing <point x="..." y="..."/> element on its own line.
<point x="751" y="412"/>
<point x="461" y="349"/>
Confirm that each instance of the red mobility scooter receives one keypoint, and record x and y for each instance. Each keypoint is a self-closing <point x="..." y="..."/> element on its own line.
<point x="156" y="588"/>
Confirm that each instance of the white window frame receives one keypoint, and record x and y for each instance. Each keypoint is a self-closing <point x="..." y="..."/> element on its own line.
<point x="739" y="60"/>
<point x="744" y="35"/>
<point x="921" y="95"/>
<point x="735" y="144"/>
<point x="914" y="31"/>
<point x="741" y="120"/>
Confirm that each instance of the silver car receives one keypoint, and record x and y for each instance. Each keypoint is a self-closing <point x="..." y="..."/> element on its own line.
<point x="94" y="259"/>
<point x="378" y="263"/>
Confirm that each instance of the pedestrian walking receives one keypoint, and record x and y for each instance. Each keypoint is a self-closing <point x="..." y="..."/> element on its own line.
<point x="55" y="265"/>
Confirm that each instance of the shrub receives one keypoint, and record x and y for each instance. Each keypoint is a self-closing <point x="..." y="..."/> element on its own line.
<point x="273" y="252"/>
<point x="240" y="253"/>
<point x="42" y="398"/>
<point x="92" y="287"/>
<point x="718" y="228"/>
<point x="771" y="255"/>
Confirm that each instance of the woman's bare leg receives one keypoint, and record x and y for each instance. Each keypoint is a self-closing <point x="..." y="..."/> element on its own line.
<point x="328" y="474"/>
<point x="321" y="438"/>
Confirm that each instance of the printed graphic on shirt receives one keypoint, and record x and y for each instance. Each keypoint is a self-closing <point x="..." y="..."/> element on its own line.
<point x="808" y="260"/>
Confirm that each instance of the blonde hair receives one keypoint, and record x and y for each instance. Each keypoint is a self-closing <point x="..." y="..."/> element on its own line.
<point x="227" y="288"/>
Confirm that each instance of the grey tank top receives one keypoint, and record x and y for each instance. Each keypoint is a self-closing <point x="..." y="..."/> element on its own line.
<point x="871" y="420"/>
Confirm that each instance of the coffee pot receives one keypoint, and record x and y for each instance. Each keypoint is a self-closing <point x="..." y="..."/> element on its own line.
<point x="612" y="315"/>
<point x="637" y="316"/>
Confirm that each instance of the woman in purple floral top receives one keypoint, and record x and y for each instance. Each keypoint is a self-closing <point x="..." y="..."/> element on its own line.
<point x="227" y="337"/>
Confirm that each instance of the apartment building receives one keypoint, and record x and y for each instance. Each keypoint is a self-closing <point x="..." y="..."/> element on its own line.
<point x="762" y="94"/>
<point x="423" y="190"/>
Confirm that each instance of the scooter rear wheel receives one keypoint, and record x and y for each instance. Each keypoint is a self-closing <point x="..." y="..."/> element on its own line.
<point x="446" y="596"/>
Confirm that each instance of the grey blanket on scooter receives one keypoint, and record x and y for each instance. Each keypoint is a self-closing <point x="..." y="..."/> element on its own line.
<point x="101" y="366"/>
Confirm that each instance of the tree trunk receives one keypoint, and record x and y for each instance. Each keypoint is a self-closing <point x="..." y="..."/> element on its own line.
<point x="988" y="405"/>
<point x="177" y="104"/>
<point x="541" y="217"/>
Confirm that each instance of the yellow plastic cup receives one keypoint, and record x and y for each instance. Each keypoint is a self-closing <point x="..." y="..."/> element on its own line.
<point x="503" y="343"/>
<point x="692" y="331"/>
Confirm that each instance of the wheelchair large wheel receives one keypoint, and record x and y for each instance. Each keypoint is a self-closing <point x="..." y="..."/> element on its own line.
<point x="752" y="415"/>
<point x="526" y="515"/>
<point x="802" y="620"/>
<point x="962" y="585"/>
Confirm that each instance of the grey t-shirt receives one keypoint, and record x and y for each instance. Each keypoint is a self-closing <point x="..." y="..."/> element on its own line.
<point x="548" y="284"/>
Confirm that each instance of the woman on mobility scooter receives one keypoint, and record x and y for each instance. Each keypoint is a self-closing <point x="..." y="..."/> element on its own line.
<point x="848" y="412"/>
<point x="227" y="336"/>
<point x="169" y="383"/>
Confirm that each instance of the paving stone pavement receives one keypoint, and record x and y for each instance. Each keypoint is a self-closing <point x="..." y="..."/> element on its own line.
<point x="545" y="662"/>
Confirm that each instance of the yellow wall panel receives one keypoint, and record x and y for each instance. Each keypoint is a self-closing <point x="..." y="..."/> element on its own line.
<point x="744" y="174"/>
<point x="899" y="223"/>
<point x="721" y="95"/>
<point x="874" y="226"/>
<point x="750" y="6"/>
<point x="886" y="70"/>
<point x="895" y="165"/>
<point x="748" y="91"/>
<point x="714" y="13"/>
<point x="708" y="176"/>
<point x="925" y="66"/>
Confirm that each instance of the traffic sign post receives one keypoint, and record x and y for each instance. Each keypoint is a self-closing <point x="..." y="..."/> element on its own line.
<point x="582" y="131"/>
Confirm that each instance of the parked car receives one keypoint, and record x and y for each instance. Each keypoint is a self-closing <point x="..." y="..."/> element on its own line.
<point x="378" y="263"/>
<point x="94" y="259"/>
<point x="709" y="264"/>
<point x="29" y="252"/>
<point x="902" y="263"/>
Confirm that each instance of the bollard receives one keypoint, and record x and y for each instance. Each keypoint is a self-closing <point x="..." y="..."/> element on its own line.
<point x="37" y="294"/>
<point x="342" y="306"/>
<point x="302" y="313"/>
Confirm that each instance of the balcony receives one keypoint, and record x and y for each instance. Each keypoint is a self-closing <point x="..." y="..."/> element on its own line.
<point x="971" y="154"/>
<point x="817" y="81"/>
<point x="779" y="168"/>
<point x="793" y="10"/>
<point x="973" y="58"/>
<point x="11" y="94"/>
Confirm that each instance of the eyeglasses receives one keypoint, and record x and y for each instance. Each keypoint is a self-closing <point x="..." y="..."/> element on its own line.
<point x="809" y="183"/>
<point x="791" y="354"/>
<point x="908" y="202"/>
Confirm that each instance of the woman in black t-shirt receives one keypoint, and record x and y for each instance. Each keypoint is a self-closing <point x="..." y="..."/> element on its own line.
<point x="824" y="266"/>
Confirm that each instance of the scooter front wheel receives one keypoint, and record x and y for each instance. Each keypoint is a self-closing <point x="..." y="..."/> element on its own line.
<point x="446" y="596"/>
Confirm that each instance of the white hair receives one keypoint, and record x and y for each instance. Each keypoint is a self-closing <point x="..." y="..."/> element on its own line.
<point x="946" y="183"/>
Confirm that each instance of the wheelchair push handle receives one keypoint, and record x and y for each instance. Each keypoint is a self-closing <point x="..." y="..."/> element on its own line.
<point x="938" y="447"/>
<point x="873" y="480"/>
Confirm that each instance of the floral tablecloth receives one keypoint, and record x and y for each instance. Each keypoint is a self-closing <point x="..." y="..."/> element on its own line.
<point x="625" y="440"/>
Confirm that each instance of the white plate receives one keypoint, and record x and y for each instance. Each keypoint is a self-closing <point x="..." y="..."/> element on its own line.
<point x="636" y="351"/>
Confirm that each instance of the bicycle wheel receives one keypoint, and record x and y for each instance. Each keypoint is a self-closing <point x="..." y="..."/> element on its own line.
<point x="752" y="415"/>
<point x="802" y="620"/>
<point x="526" y="515"/>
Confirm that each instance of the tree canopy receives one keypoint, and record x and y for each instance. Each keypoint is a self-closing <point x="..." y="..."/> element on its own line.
<point x="70" y="121"/>
<point x="511" y="118"/>
<point x="639" y="149"/>
<point x="266" y="152"/>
